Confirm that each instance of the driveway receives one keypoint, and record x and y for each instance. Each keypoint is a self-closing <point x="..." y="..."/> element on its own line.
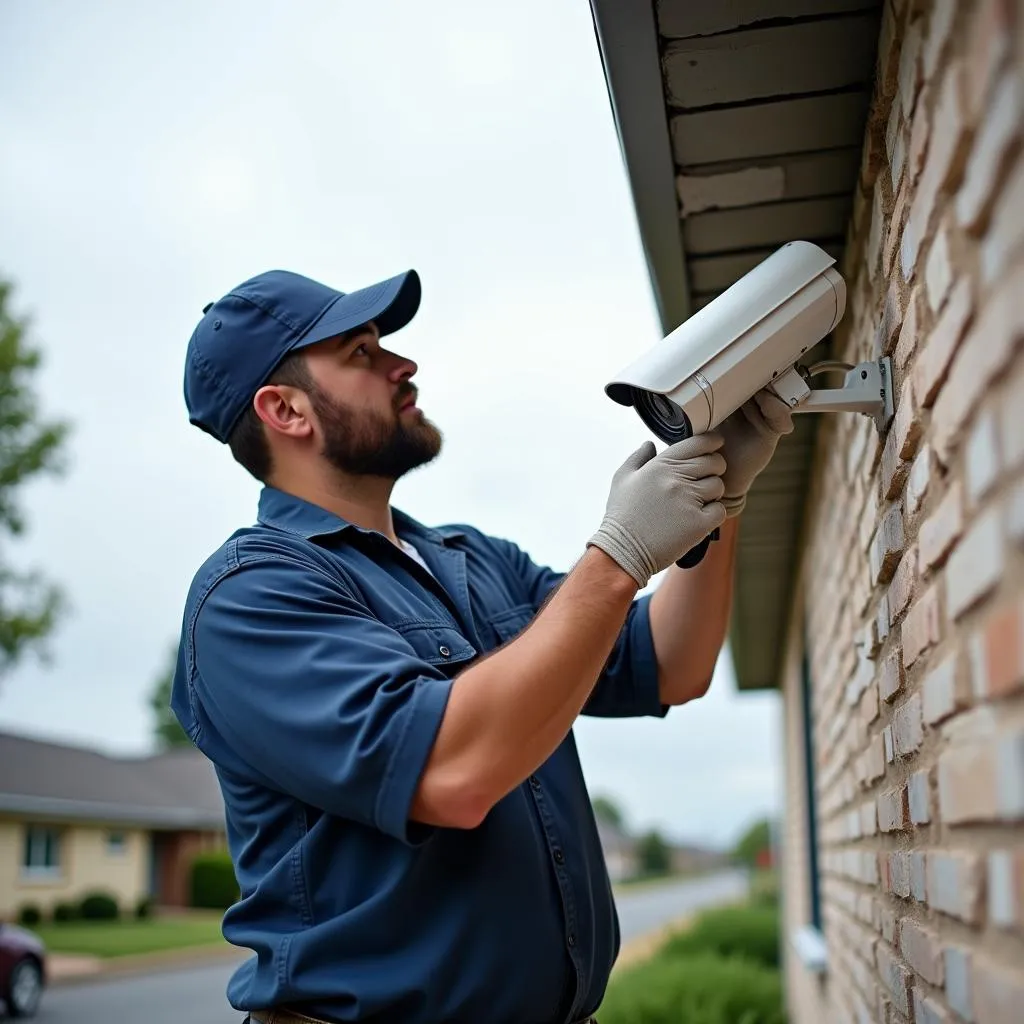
<point x="197" y="993"/>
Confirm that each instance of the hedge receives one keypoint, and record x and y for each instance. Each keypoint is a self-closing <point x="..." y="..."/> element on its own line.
<point x="213" y="884"/>
<point x="751" y="932"/>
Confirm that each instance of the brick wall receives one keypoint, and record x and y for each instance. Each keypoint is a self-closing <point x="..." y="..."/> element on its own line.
<point x="913" y="581"/>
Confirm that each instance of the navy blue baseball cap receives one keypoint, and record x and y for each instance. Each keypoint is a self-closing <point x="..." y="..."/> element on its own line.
<point x="244" y="335"/>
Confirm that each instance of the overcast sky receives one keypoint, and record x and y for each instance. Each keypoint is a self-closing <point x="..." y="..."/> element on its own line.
<point x="154" y="155"/>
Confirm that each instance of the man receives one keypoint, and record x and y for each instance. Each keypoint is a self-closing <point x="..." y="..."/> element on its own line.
<point x="389" y="707"/>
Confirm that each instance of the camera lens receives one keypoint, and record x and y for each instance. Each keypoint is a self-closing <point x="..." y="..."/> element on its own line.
<point x="662" y="416"/>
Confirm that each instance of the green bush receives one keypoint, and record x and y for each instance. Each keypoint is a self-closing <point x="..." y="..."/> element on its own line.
<point x="702" y="989"/>
<point x="213" y="884"/>
<point x="764" y="889"/>
<point x="751" y="932"/>
<point x="29" y="915"/>
<point x="99" y="906"/>
<point x="144" y="908"/>
<point x="63" y="912"/>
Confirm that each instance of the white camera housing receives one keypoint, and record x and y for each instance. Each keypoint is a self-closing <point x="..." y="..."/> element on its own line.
<point x="748" y="338"/>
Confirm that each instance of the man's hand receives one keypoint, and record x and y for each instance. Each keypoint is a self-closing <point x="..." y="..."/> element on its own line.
<point x="751" y="435"/>
<point x="661" y="505"/>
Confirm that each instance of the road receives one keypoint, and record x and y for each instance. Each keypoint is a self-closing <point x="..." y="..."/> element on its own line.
<point x="196" y="994"/>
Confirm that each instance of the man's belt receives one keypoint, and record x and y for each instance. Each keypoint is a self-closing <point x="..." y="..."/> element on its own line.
<point x="293" y="1017"/>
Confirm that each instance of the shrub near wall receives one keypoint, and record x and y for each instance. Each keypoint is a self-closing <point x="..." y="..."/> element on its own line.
<point x="212" y="882"/>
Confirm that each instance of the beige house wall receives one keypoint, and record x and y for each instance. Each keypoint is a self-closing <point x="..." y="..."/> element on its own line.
<point x="87" y="864"/>
<point x="914" y="556"/>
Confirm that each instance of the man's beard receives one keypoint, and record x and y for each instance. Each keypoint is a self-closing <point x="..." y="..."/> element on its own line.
<point x="369" y="444"/>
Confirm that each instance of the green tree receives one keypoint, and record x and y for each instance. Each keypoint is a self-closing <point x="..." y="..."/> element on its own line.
<point x="30" y="445"/>
<point x="757" y="838"/>
<point x="608" y="811"/>
<point x="653" y="854"/>
<point x="166" y="728"/>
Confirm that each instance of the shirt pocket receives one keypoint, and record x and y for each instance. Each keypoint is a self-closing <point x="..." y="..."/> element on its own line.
<point x="511" y="622"/>
<point x="438" y="643"/>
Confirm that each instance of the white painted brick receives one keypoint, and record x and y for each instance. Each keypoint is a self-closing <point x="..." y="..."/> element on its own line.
<point x="938" y="271"/>
<point x="918" y="876"/>
<point x="955" y="884"/>
<point x="1002" y="889"/>
<point x="1005" y="235"/>
<point x="1010" y="778"/>
<point x="982" y="456"/>
<point x="919" y="478"/>
<point x="899" y="160"/>
<point x="940" y="692"/>
<point x="957" y="963"/>
<point x="892" y="129"/>
<point x="940" y="23"/>
<point x="976" y="564"/>
<point x="1011" y="420"/>
<point x="920" y="798"/>
<point x="1015" y="514"/>
<point x="1000" y="125"/>
<point x="978" y="725"/>
<point x="910" y="69"/>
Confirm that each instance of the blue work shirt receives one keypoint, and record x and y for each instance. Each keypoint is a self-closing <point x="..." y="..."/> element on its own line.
<point x="314" y="669"/>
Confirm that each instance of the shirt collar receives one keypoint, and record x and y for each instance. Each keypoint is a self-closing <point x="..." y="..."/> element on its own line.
<point x="283" y="511"/>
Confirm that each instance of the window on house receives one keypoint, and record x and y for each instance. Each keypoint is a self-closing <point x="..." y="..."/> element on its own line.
<point x="42" y="851"/>
<point x="116" y="843"/>
<point x="809" y="940"/>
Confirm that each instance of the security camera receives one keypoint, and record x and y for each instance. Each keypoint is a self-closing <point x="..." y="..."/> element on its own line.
<point x="750" y="337"/>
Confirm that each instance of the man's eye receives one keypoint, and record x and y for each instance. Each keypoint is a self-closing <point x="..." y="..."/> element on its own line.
<point x="361" y="350"/>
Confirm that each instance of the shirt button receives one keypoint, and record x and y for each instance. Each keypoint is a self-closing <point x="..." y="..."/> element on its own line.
<point x="534" y="782"/>
<point x="572" y="939"/>
<point x="444" y="651"/>
<point x="559" y="857"/>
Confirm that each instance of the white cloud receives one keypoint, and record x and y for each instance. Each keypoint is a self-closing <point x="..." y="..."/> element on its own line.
<point x="155" y="156"/>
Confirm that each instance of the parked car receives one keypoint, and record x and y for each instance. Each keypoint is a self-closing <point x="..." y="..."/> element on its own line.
<point x="22" y="970"/>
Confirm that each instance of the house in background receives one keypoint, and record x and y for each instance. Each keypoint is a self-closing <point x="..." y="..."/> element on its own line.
<point x="880" y="577"/>
<point x="74" y="821"/>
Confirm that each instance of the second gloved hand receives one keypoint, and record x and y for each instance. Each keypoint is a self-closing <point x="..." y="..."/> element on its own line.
<point x="751" y="436"/>
<point x="660" y="506"/>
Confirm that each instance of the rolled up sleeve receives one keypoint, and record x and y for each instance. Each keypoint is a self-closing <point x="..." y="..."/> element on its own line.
<point x="293" y="676"/>
<point x="628" y="685"/>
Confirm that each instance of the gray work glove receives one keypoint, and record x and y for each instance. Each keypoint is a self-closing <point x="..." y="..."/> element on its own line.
<point x="660" y="506"/>
<point x="751" y="435"/>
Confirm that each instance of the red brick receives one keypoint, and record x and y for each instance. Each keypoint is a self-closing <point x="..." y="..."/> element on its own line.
<point x="998" y="991"/>
<point x="976" y="565"/>
<point x="921" y="950"/>
<point x="988" y="45"/>
<point x="968" y="784"/>
<point x="922" y="626"/>
<point x="942" y="529"/>
<point x="890" y="681"/>
<point x="932" y="366"/>
<point x="893" y="810"/>
<point x="907" y="731"/>
<point x="984" y="354"/>
<point x="994" y="147"/>
<point x="895" y="977"/>
<point x="888" y="545"/>
<point x="956" y="885"/>
<point x="901" y="590"/>
<point x="997" y="654"/>
<point x="943" y="694"/>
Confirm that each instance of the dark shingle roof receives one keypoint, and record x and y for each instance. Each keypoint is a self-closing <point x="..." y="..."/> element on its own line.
<point x="177" y="789"/>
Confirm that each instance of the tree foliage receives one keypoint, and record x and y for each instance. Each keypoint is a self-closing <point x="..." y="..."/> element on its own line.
<point x="30" y="445"/>
<point x="756" y="839"/>
<point x="653" y="854"/>
<point x="608" y="811"/>
<point x="166" y="727"/>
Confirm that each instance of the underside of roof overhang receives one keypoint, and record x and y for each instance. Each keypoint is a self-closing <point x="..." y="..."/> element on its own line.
<point x="741" y="124"/>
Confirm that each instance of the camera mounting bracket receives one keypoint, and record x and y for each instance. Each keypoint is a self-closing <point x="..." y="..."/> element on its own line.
<point x="867" y="388"/>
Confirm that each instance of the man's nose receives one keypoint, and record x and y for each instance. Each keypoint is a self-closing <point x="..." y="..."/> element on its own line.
<point x="402" y="369"/>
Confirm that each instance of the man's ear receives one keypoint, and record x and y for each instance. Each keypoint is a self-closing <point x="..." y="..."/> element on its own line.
<point x="284" y="410"/>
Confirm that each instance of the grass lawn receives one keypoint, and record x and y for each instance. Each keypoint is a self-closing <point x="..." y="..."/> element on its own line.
<point x="121" y="938"/>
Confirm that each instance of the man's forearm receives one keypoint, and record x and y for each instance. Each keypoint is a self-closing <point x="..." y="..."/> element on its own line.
<point x="508" y="713"/>
<point x="690" y="618"/>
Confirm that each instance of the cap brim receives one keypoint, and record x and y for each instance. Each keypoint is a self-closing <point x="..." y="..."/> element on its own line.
<point x="391" y="304"/>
